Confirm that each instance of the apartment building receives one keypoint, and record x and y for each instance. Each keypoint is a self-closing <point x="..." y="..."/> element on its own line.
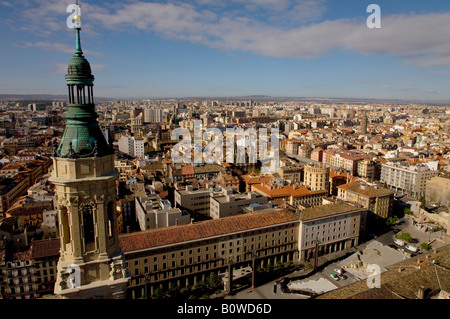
<point x="292" y="146"/>
<point x="231" y="203"/>
<point x="10" y="191"/>
<point x="294" y="194"/>
<point x="406" y="178"/>
<point x="292" y="173"/>
<point x="154" y="212"/>
<point x="20" y="278"/>
<point x="344" y="159"/>
<point x="316" y="177"/>
<point x="329" y="228"/>
<point x="317" y="154"/>
<point x="195" y="201"/>
<point x="183" y="255"/>
<point x="366" y="170"/>
<point x="132" y="145"/>
<point x="378" y="200"/>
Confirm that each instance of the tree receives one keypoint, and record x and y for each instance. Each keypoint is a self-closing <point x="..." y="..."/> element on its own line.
<point x="391" y="220"/>
<point x="423" y="201"/>
<point x="425" y="246"/>
<point x="407" y="210"/>
<point x="404" y="236"/>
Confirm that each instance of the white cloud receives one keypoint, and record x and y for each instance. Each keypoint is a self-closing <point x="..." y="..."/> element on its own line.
<point x="57" y="47"/>
<point x="274" y="28"/>
<point x="422" y="40"/>
<point x="6" y="4"/>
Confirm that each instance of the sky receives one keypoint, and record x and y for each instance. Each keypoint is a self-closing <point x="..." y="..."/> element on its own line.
<point x="219" y="48"/>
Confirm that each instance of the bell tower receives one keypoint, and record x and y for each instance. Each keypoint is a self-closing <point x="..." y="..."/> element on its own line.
<point x="91" y="264"/>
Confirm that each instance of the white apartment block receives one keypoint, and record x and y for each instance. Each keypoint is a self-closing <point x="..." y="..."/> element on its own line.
<point x="131" y="145"/>
<point x="153" y="115"/>
<point x="408" y="179"/>
<point x="197" y="201"/>
<point x="153" y="212"/>
<point x="231" y="203"/>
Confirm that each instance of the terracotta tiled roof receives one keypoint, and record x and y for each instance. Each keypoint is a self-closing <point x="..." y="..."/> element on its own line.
<point x="249" y="179"/>
<point x="26" y="211"/>
<point x="45" y="248"/>
<point x="187" y="170"/>
<point x="369" y="191"/>
<point x="179" y="234"/>
<point x="286" y="191"/>
<point x="334" y="173"/>
<point x="322" y="211"/>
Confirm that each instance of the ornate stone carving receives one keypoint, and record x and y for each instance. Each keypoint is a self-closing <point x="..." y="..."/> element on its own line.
<point x="74" y="200"/>
<point x="118" y="270"/>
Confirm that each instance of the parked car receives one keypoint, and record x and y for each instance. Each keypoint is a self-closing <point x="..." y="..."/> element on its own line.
<point x="334" y="276"/>
<point x="339" y="271"/>
<point x="343" y="277"/>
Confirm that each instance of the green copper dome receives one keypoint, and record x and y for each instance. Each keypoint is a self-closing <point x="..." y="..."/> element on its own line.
<point x="79" y="69"/>
<point x="82" y="136"/>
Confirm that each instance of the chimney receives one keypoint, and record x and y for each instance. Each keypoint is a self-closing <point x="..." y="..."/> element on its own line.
<point x="421" y="292"/>
<point x="128" y="229"/>
<point x="176" y="222"/>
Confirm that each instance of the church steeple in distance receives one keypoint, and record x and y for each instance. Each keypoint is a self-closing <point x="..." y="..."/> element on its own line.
<point x="82" y="136"/>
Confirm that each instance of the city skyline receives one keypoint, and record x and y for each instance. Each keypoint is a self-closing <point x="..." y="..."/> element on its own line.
<point x="205" y="48"/>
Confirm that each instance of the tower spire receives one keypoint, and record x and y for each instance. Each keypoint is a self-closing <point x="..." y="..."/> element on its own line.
<point x="82" y="136"/>
<point x="78" y="51"/>
<point x="77" y="19"/>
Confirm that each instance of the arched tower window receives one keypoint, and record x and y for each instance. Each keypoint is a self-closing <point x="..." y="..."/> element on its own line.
<point x="110" y="219"/>
<point x="65" y="228"/>
<point x="88" y="224"/>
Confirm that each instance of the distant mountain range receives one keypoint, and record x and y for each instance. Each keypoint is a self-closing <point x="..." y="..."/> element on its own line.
<point x="256" y="98"/>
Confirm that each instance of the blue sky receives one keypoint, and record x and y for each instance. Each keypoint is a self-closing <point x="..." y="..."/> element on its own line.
<point x="207" y="48"/>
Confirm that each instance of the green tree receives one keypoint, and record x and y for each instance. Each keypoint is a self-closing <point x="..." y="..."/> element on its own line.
<point x="423" y="201"/>
<point x="407" y="211"/>
<point x="404" y="236"/>
<point x="391" y="220"/>
<point x="425" y="246"/>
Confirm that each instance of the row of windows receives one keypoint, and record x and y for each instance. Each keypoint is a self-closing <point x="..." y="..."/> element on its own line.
<point x="230" y="244"/>
<point x="190" y="267"/>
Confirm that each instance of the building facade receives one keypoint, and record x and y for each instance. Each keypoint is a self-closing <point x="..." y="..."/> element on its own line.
<point x="230" y="203"/>
<point x="316" y="177"/>
<point x="329" y="228"/>
<point x="184" y="255"/>
<point x="405" y="178"/>
<point x="378" y="200"/>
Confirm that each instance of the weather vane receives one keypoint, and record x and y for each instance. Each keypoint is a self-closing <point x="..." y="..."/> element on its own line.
<point x="74" y="20"/>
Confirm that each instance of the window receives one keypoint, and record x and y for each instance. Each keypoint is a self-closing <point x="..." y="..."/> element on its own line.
<point x="88" y="224"/>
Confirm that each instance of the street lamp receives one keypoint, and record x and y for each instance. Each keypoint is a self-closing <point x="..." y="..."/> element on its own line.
<point x="230" y="276"/>
<point x="146" y="281"/>
<point x="254" y="255"/>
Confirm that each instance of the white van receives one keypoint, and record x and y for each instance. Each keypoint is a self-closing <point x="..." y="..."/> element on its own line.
<point x="412" y="248"/>
<point x="399" y="242"/>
